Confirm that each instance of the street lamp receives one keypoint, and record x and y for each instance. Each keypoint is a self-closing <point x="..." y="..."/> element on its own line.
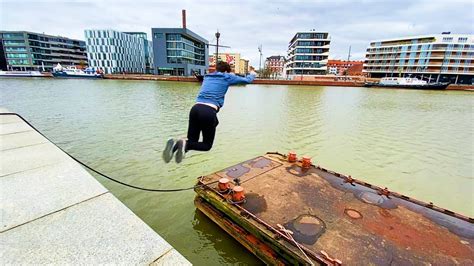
<point x="218" y="35"/>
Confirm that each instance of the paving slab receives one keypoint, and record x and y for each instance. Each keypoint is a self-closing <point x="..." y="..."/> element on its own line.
<point x="30" y="157"/>
<point x="31" y="194"/>
<point x="10" y="128"/>
<point x="98" y="231"/>
<point x="7" y="119"/>
<point x="171" y="258"/>
<point x="21" y="139"/>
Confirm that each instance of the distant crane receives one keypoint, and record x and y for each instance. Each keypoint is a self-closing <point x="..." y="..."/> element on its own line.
<point x="349" y="55"/>
<point x="260" y="64"/>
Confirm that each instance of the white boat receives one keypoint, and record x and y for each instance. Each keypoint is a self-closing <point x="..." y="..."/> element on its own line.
<point x="407" y="83"/>
<point x="73" y="72"/>
<point x="21" y="74"/>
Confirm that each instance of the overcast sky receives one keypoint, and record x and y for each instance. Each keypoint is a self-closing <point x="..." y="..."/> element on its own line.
<point x="246" y="24"/>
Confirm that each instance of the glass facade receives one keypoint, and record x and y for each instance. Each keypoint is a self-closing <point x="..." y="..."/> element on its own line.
<point x="179" y="51"/>
<point x="117" y="52"/>
<point x="35" y="51"/>
<point x="182" y="50"/>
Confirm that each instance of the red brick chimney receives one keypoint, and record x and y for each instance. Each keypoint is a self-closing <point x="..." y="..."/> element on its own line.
<point x="183" y="14"/>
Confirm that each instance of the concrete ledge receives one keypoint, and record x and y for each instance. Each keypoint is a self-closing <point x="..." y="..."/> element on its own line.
<point x="54" y="212"/>
<point x="98" y="231"/>
<point x="21" y="139"/>
<point x="30" y="157"/>
<point x="171" y="258"/>
<point x="34" y="193"/>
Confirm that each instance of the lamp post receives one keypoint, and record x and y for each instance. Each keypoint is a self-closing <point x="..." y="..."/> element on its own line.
<point x="218" y="35"/>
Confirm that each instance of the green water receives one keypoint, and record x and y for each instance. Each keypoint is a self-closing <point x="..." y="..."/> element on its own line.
<point x="419" y="143"/>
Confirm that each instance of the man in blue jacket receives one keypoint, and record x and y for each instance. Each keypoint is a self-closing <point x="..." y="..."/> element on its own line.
<point x="203" y="115"/>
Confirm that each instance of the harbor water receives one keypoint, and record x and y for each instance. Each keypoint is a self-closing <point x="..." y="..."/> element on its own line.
<point x="418" y="143"/>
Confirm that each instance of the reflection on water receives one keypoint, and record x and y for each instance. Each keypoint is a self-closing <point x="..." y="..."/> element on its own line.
<point x="419" y="143"/>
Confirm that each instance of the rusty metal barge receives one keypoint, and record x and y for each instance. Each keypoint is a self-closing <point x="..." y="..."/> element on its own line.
<point x="289" y="211"/>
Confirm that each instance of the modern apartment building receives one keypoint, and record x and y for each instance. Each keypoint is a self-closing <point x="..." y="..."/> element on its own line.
<point x="437" y="57"/>
<point x="23" y="50"/>
<point x="308" y="53"/>
<point x="148" y="47"/>
<point x="116" y="52"/>
<point x="276" y="64"/>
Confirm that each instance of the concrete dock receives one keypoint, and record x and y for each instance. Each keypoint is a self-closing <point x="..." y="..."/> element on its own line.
<point x="53" y="211"/>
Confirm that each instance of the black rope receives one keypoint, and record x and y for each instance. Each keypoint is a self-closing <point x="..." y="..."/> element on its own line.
<point x="104" y="175"/>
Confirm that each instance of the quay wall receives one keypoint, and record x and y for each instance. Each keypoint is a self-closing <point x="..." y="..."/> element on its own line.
<point x="55" y="212"/>
<point x="323" y="81"/>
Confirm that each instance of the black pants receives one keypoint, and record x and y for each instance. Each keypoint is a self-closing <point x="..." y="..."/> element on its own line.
<point x="202" y="118"/>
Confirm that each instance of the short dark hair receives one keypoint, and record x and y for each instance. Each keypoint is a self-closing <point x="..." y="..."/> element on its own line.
<point x="222" y="67"/>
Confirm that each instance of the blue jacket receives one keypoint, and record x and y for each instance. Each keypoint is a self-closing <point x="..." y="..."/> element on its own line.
<point x="215" y="86"/>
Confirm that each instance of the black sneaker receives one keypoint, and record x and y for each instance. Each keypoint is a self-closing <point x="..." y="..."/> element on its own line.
<point x="179" y="147"/>
<point x="168" y="151"/>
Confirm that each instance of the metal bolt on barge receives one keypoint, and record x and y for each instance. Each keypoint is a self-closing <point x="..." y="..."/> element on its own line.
<point x="289" y="211"/>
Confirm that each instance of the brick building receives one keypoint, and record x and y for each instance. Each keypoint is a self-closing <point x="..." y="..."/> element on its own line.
<point x="343" y="67"/>
<point x="276" y="64"/>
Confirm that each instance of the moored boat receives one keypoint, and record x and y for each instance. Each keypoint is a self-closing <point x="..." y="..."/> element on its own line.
<point x="407" y="83"/>
<point x="73" y="72"/>
<point x="22" y="74"/>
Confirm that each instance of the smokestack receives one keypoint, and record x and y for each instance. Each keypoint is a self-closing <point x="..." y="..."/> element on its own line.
<point x="183" y="14"/>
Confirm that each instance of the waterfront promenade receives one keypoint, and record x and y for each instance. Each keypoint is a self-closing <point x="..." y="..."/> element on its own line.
<point x="55" y="212"/>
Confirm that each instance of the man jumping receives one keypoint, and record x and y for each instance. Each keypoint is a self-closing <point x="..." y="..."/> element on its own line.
<point x="203" y="115"/>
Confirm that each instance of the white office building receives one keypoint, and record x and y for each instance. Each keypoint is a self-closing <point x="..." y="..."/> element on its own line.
<point x="308" y="54"/>
<point x="115" y="52"/>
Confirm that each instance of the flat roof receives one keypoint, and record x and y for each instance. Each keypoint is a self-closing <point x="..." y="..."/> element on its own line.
<point x="471" y="36"/>
<point x="37" y="33"/>
<point x="182" y="31"/>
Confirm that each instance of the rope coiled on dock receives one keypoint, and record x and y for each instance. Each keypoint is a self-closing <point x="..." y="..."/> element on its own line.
<point x="104" y="175"/>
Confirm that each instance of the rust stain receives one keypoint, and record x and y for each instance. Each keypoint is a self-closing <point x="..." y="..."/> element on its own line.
<point x="354" y="214"/>
<point x="385" y="213"/>
<point x="424" y="238"/>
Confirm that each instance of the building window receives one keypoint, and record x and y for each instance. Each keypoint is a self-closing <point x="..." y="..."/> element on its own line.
<point x="15" y="49"/>
<point x="9" y="55"/>
<point x="18" y="62"/>
<point x="13" y="36"/>
<point x="14" y="42"/>
<point x="462" y="39"/>
<point x="173" y="37"/>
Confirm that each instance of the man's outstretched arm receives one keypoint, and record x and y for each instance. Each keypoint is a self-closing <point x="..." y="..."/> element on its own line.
<point x="234" y="79"/>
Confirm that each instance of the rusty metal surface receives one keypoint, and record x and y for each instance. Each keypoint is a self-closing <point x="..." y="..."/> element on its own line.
<point x="349" y="219"/>
<point x="254" y="245"/>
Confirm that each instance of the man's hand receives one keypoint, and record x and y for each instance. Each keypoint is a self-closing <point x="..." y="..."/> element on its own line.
<point x="252" y="71"/>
